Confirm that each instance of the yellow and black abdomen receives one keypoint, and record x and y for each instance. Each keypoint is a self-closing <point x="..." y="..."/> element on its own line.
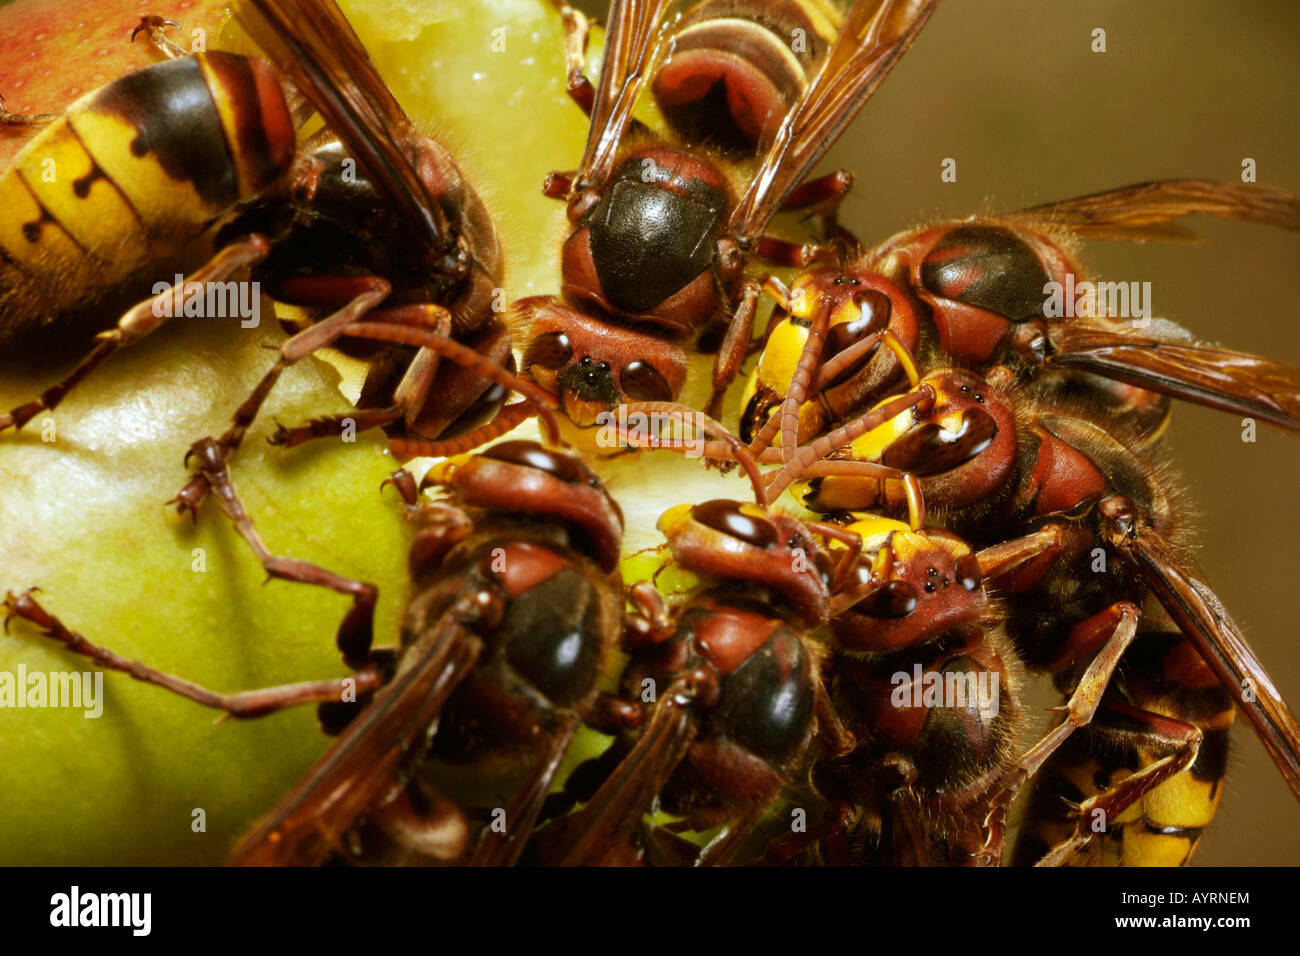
<point x="1165" y="694"/>
<point x="132" y="171"/>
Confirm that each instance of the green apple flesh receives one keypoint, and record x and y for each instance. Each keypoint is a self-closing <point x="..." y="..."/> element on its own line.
<point x="156" y="778"/>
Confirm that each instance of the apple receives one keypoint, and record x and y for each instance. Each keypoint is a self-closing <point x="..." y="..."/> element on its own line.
<point x="155" y="778"/>
<point x="53" y="53"/>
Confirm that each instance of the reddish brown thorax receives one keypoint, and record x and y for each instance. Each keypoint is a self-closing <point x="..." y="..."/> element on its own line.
<point x="1062" y="477"/>
<point x="981" y="279"/>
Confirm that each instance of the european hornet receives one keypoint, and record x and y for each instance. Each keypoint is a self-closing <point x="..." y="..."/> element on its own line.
<point x="905" y="784"/>
<point x="730" y="678"/>
<point x="927" y="685"/>
<point x="976" y="292"/>
<point x="1081" y="533"/>
<point x="378" y="227"/>
<point x="736" y="697"/>
<point x="664" y="225"/>
<point x="380" y="222"/>
<point x="920" y="784"/>
<point x="128" y="185"/>
<point x="516" y="603"/>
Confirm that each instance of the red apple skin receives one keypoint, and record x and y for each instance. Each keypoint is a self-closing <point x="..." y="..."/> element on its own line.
<point x="54" y="51"/>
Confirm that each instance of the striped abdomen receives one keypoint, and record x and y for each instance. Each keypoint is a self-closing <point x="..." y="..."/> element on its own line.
<point x="736" y="68"/>
<point x="1161" y="675"/>
<point x="133" y="170"/>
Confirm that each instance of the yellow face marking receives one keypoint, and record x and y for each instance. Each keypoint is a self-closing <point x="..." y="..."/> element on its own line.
<point x="781" y="356"/>
<point x="442" y="472"/>
<point x="909" y="544"/>
<point x="657" y="566"/>
<point x="678" y="516"/>
<point x="871" y="445"/>
<point x="674" y="581"/>
<point x="674" y="518"/>
<point x="775" y="372"/>
<point x="645" y="564"/>
<point x="941" y="395"/>
<point x="804" y="298"/>
<point x="875" y="531"/>
<point x="846" y="311"/>
<point x="845" y="493"/>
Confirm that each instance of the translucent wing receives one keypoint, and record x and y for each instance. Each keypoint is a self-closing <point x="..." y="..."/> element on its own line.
<point x="1199" y="615"/>
<point x="874" y="35"/>
<point x="1179" y="587"/>
<point x="308" y="823"/>
<point x="312" y="43"/>
<point x="1220" y="378"/>
<point x="614" y="813"/>
<point x="630" y="50"/>
<point x="1146" y="210"/>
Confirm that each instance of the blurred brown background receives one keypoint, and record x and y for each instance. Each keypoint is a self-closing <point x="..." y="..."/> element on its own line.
<point x="1013" y="92"/>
